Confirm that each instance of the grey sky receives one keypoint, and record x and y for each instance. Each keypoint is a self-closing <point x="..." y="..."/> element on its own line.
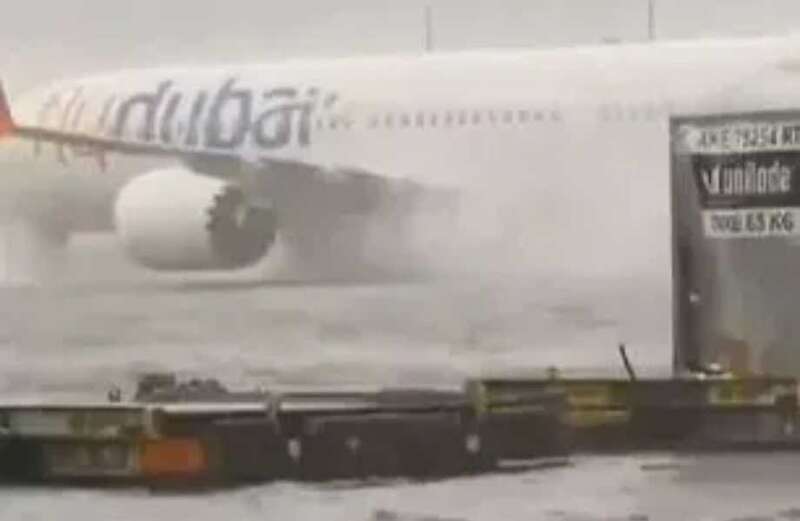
<point x="45" y="39"/>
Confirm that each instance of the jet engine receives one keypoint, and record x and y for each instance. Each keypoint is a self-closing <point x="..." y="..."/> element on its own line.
<point x="175" y="219"/>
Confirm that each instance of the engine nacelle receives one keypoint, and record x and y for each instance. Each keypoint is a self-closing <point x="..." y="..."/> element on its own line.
<point x="174" y="219"/>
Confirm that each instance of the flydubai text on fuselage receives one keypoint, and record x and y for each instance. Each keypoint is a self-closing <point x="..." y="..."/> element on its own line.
<point x="224" y="117"/>
<point x="581" y="134"/>
<point x="295" y="110"/>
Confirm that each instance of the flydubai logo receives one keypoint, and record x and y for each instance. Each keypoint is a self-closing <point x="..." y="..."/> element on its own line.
<point x="223" y="117"/>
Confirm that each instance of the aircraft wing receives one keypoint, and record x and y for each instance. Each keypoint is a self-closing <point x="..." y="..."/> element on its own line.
<point x="219" y="163"/>
<point x="348" y="189"/>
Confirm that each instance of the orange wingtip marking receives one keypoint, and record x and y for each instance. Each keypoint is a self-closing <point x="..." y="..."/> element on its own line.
<point x="6" y="127"/>
<point x="6" y="122"/>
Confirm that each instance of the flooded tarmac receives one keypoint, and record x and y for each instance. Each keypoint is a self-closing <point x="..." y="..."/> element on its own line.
<point x="108" y="323"/>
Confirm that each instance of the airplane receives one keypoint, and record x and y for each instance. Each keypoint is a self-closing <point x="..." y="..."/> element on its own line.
<point x="554" y="157"/>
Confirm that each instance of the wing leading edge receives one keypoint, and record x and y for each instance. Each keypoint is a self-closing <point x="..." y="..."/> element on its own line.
<point x="347" y="188"/>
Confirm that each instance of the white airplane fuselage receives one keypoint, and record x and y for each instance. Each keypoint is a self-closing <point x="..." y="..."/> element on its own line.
<point x="570" y="146"/>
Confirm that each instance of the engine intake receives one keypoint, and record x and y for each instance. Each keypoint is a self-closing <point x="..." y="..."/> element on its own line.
<point x="174" y="219"/>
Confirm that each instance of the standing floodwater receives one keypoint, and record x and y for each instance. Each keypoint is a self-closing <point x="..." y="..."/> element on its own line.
<point x="82" y="338"/>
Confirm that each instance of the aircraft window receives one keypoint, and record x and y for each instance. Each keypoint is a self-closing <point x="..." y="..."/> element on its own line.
<point x="374" y="121"/>
<point x="333" y="124"/>
<point x="320" y="124"/>
<point x="555" y="115"/>
<point x="420" y="120"/>
<point x="537" y="115"/>
<point x="434" y="119"/>
<point x="508" y="116"/>
<point x="523" y="116"/>
<point x="388" y="121"/>
<point x="491" y="116"/>
<point x="405" y="120"/>
<point x="476" y="118"/>
<point x="462" y="118"/>
<point x="448" y="118"/>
